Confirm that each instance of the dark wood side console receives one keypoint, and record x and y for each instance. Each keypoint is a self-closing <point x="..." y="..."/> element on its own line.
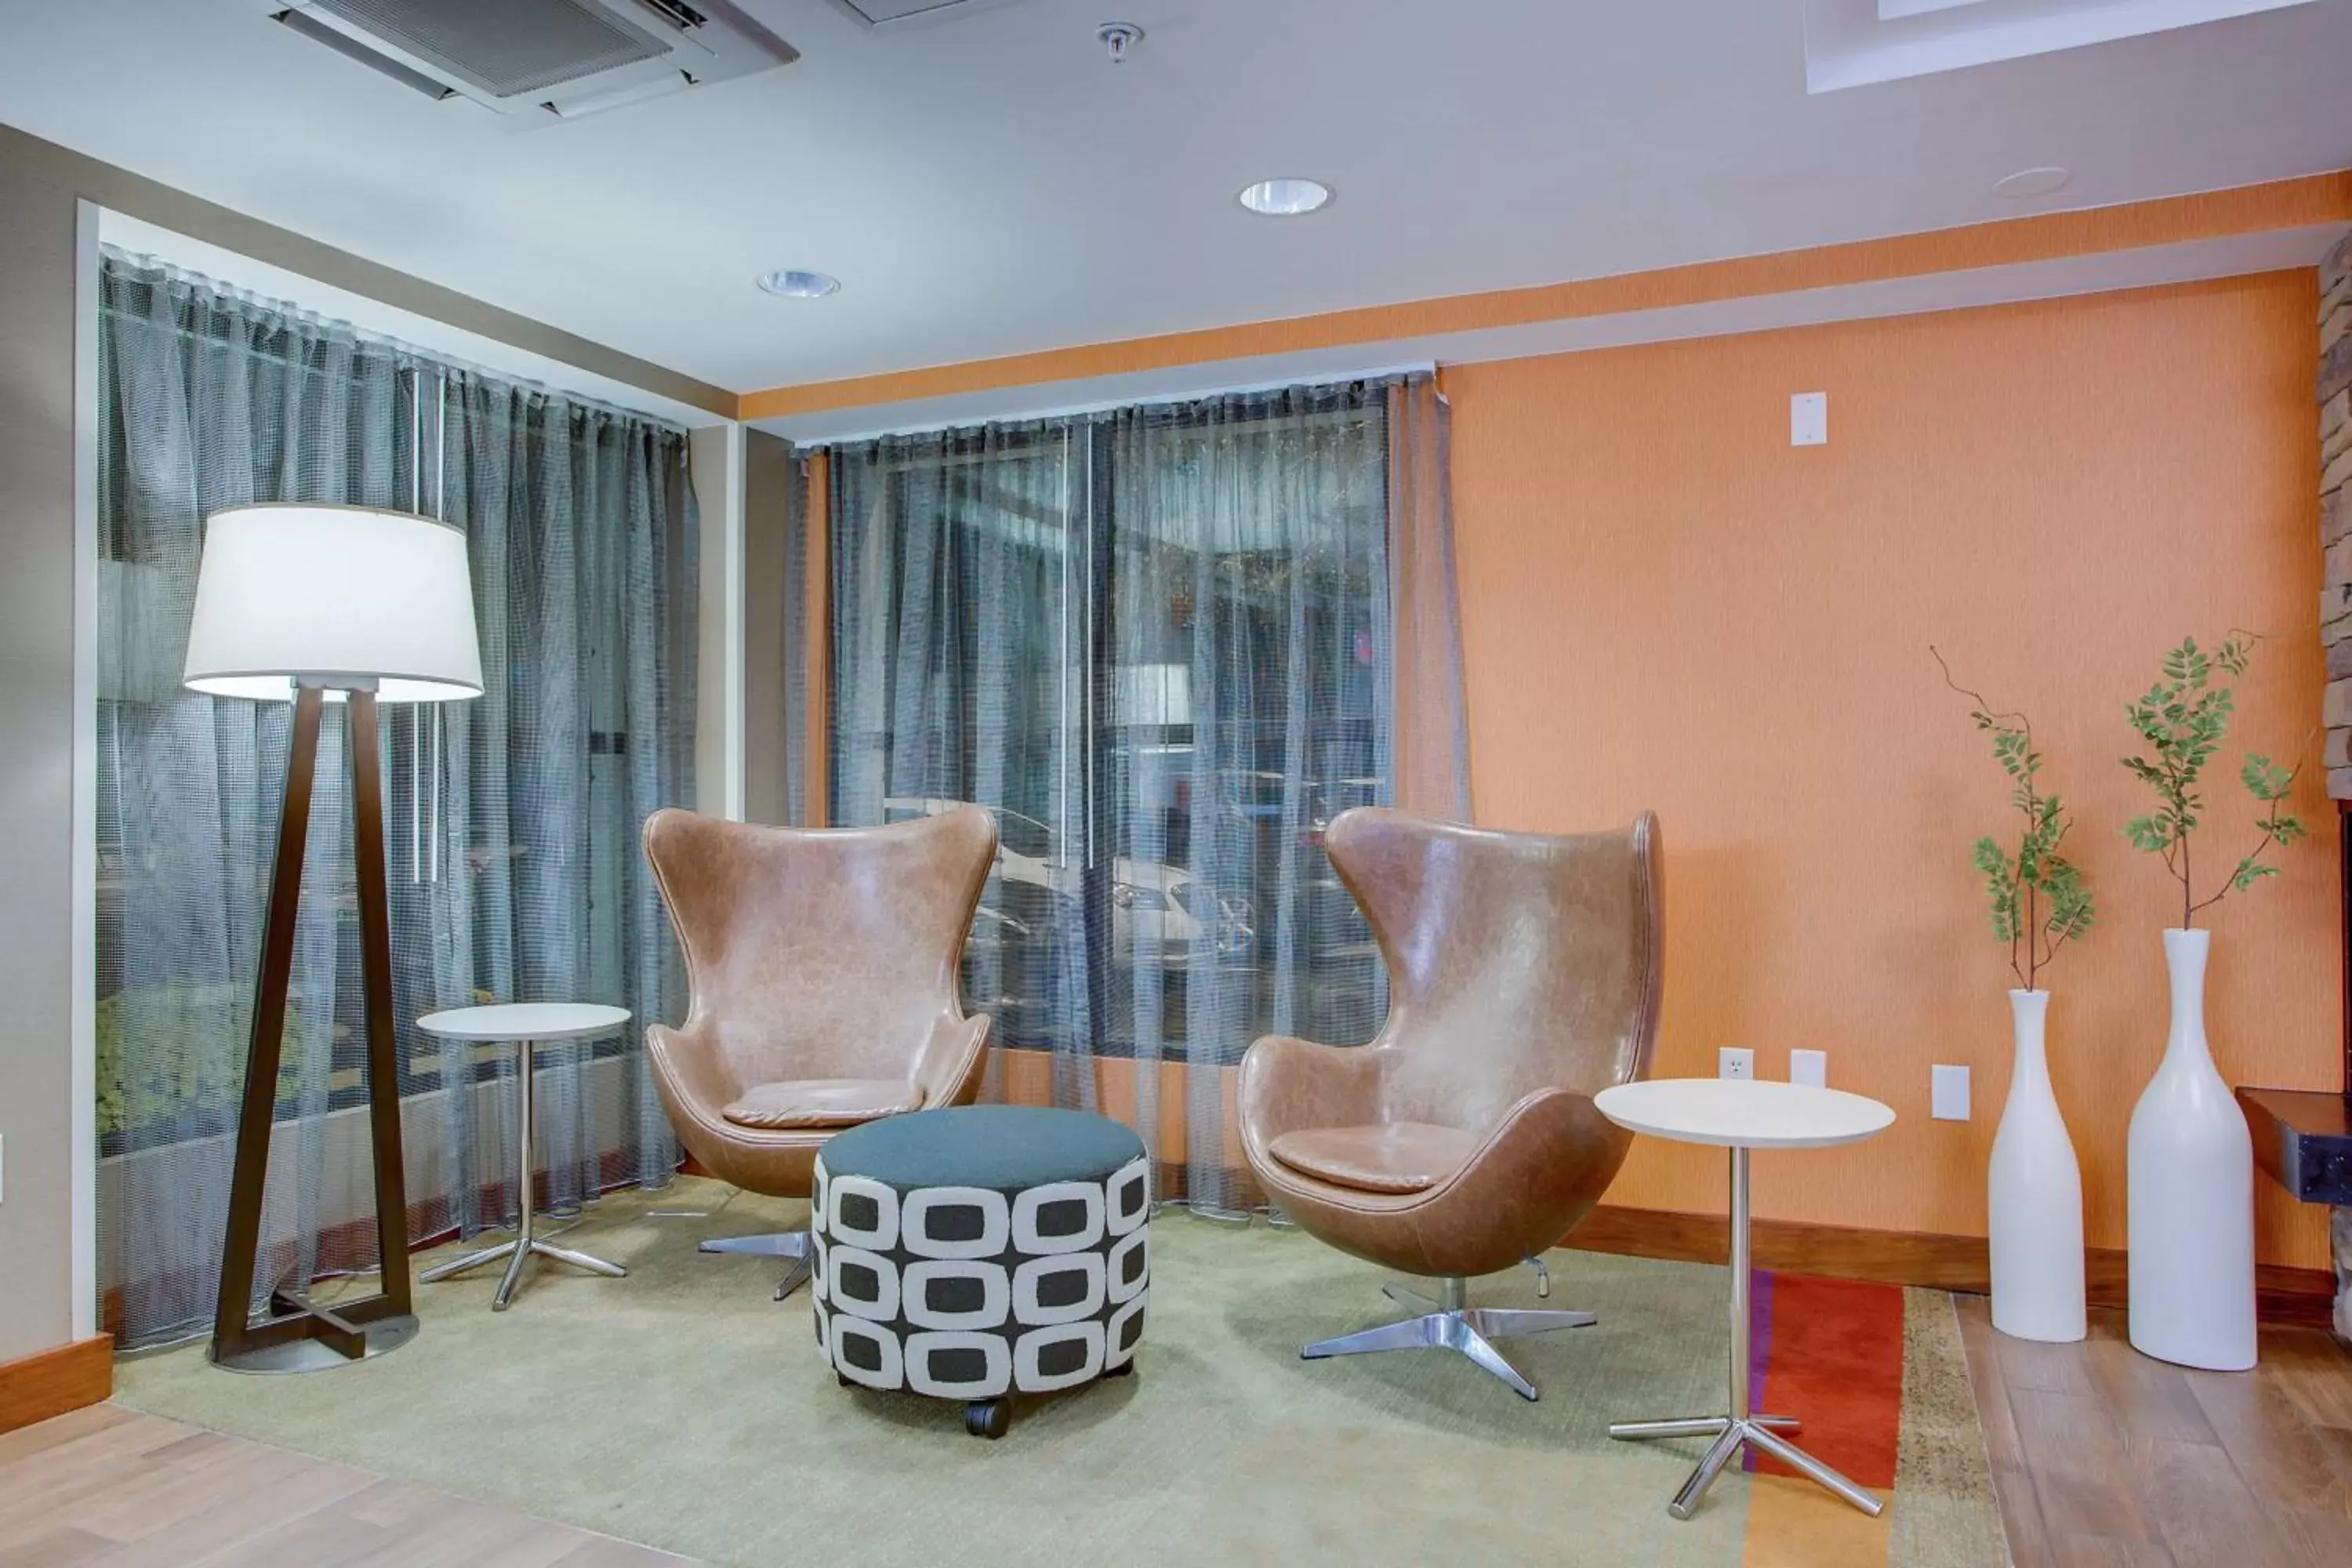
<point x="2303" y="1138"/>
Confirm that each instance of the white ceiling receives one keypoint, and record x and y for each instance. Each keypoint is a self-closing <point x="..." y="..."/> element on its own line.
<point x="993" y="186"/>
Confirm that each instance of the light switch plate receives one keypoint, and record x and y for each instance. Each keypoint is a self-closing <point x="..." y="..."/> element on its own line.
<point x="1948" y="1093"/>
<point x="1809" y="419"/>
<point x="1809" y="1066"/>
<point x="1734" y="1061"/>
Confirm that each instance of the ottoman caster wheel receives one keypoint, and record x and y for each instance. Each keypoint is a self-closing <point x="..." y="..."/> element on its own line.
<point x="990" y="1418"/>
<point x="1124" y="1369"/>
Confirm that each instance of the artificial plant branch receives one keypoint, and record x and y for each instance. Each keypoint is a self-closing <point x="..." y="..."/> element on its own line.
<point x="1984" y="708"/>
<point x="2271" y="785"/>
<point x="2183" y="720"/>
<point x="2040" y="901"/>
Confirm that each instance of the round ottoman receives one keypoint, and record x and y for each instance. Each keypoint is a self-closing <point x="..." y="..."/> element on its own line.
<point x="981" y="1252"/>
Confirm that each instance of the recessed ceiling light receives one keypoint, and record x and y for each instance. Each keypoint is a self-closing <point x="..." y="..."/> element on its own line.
<point x="796" y="284"/>
<point x="1287" y="198"/>
<point x="2031" y="182"/>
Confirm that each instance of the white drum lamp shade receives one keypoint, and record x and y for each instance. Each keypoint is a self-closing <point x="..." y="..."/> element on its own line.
<point x="340" y="597"/>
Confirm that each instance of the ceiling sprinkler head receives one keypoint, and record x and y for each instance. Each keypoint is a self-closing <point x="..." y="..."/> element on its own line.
<point x="1118" y="37"/>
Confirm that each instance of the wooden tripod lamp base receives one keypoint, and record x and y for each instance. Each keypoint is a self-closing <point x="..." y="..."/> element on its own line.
<point x="297" y="1335"/>
<point x="300" y="1335"/>
<point x="381" y="603"/>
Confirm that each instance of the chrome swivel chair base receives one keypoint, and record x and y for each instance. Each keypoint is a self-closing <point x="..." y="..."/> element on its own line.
<point x="1448" y="1324"/>
<point x="1730" y="1433"/>
<point x="790" y="1244"/>
<point x="522" y="1247"/>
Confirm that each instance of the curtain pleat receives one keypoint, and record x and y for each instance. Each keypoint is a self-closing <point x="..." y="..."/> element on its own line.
<point x="795" y="620"/>
<point x="1246" y="646"/>
<point x="511" y="820"/>
<point x="1432" y="740"/>
<point x="1162" y="646"/>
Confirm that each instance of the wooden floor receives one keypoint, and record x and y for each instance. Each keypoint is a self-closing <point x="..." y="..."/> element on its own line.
<point x="2101" y="1456"/>
<point x="108" y="1487"/>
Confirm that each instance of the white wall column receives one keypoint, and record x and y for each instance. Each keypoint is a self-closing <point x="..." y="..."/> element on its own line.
<point x="717" y="453"/>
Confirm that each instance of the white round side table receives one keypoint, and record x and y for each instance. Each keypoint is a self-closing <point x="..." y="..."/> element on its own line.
<point x="527" y="1025"/>
<point x="1742" y="1114"/>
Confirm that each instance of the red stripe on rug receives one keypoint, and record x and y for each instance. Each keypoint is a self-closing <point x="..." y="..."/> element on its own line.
<point x="1833" y="1358"/>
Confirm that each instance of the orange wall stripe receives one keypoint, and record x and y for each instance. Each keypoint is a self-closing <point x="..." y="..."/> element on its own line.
<point x="2312" y="200"/>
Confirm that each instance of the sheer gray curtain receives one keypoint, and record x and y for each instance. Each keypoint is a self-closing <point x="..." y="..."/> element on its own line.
<point x="1161" y="644"/>
<point x="512" y="819"/>
<point x="960" y="577"/>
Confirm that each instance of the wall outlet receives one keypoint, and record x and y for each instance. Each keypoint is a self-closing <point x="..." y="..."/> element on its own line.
<point x="1809" y="419"/>
<point x="1734" y="1061"/>
<point x="1948" y="1097"/>
<point x="1809" y="1066"/>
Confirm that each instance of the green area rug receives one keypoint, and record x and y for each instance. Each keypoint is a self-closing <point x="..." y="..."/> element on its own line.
<point x="683" y="1408"/>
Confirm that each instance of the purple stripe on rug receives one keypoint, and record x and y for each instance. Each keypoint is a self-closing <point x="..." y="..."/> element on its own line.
<point x="1759" y="1346"/>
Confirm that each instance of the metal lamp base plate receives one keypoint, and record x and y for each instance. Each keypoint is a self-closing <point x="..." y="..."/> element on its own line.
<point x="314" y="1355"/>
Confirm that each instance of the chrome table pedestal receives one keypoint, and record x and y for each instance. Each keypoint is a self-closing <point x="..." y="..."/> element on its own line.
<point x="458" y="1026"/>
<point x="1739" y="1428"/>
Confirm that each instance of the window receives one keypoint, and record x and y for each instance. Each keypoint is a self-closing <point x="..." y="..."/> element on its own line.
<point x="1155" y="645"/>
<point x="512" y="819"/>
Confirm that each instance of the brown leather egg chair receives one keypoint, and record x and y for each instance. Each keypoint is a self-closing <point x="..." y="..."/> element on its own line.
<point x="823" y="969"/>
<point x="1522" y="980"/>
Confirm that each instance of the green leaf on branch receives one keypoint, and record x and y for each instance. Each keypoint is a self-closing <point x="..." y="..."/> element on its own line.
<point x="2071" y="908"/>
<point x="2263" y="779"/>
<point x="2000" y="887"/>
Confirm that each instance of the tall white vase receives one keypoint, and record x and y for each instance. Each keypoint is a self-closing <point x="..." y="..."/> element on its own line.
<point x="2035" y="1192"/>
<point x="2192" y="1193"/>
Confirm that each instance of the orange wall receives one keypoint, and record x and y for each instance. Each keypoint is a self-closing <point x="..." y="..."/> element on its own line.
<point x="2313" y="200"/>
<point x="1666" y="605"/>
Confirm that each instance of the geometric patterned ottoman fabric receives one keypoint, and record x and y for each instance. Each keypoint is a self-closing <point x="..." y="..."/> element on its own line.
<point x="977" y="1251"/>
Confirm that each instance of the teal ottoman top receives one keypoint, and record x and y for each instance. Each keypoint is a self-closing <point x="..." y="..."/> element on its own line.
<point x="1008" y="1147"/>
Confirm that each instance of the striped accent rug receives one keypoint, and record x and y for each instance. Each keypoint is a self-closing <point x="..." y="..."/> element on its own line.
<point x="682" y="1408"/>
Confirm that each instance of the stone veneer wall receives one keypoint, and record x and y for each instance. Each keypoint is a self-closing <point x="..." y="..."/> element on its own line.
<point x="2335" y="600"/>
<point x="2335" y="506"/>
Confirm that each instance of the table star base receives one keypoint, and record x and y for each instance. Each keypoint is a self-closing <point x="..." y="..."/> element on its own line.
<point x="1737" y="1429"/>
<point x="1731" y="1432"/>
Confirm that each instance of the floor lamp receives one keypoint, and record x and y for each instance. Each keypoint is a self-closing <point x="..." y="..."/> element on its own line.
<point x="318" y="604"/>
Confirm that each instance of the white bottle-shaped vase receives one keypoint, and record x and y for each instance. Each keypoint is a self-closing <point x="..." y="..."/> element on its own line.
<point x="2035" y="1196"/>
<point x="2192" y="1193"/>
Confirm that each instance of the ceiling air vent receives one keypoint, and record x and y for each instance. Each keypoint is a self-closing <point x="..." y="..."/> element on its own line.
<point x="564" y="58"/>
<point x="893" y="16"/>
